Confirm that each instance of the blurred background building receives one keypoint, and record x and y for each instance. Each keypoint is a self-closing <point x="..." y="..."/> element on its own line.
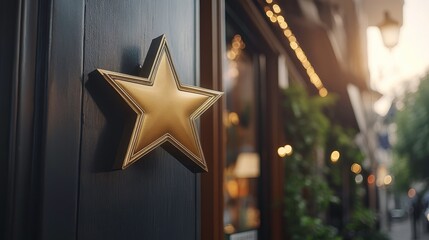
<point x="321" y="45"/>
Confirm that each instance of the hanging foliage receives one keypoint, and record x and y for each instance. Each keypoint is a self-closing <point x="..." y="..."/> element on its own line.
<point x="412" y="147"/>
<point x="307" y="193"/>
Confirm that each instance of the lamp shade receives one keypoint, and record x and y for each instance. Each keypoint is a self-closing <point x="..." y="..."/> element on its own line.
<point x="389" y="30"/>
<point x="247" y="165"/>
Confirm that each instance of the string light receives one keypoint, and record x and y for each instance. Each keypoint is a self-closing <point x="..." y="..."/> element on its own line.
<point x="237" y="46"/>
<point x="359" y="179"/>
<point x="281" y="151"/>
<point x="356" y="168"/>
<point x="288" y="149"/>
<point x="335" y="155"/>
<point x="371" y="179"/>
<point x="284" y="151"/>
<point x="387" y="180"/>
<point x="273" y="12"/>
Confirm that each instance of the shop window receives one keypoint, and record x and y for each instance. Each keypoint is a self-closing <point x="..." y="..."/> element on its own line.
<point x="242" y="163"/>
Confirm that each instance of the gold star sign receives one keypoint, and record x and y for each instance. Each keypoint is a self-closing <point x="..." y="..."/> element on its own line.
<point x="165" y="109"/>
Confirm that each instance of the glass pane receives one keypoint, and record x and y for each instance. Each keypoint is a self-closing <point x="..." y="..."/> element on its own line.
<point x="242" y="159"/>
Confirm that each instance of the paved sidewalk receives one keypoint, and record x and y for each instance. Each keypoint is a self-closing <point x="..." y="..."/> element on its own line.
<point x="401" y="230"/>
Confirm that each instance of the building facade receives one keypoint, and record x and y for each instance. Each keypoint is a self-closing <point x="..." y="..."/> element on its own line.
<point x="60" y="133"/>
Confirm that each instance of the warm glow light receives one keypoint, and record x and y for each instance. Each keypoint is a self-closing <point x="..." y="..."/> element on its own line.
<point x="276" y="8"/>
<point x="247" y="165"/>
<point x="288" y="149"/>
<point x="314" y="79"/>
<point x="300" y="54"/>
<point x="389" y="30"/>
<point x="287" y="33"/>
<point x="387" y="180"/>
<point x="356" y="168"/>
<point x="292" y="38"/>
<point x="306" y="64"/>
<point x="231" y="55"/>
<point x="412" y="193"/>
<point x="299" y="51"/>
<point x="234" y="118"/>
<point x="318" y="85"/>
<point x="310" y="71"/>
<point x="371" y="179"/>
<point x="281" y="151"/>
<point x="391" y="71"/>
<point x="335" y="155"/>
<point x="293" y="45"/>
<point x="276" y="16"/>
<point x="236" y="47"/>
<point x="323" y="92"/>
<point x="232" y="188"/>
<point x="233" y="72"/>
<point x="236" y="44"/>
<point x="359" y="179"/>
<point x="229" y="229"/>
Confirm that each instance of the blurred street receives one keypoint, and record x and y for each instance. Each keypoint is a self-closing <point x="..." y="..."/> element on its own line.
<point x="401" y="230"/>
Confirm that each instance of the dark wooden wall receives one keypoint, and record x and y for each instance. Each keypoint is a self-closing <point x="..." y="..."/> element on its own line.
<point x="20" y="118"/>
<point x="157" y="197"/>
<point x="62" y="119"/>
<point x="57" y="181"/>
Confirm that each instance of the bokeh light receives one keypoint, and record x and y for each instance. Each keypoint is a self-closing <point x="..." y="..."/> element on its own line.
<point x="356" y="168"/>
<point x="359" y="179"/>
<point x="281" y="151"/>
<point x="335" y="156"/>
<point x="371" y="179"/>
<point x="387" y="180"/>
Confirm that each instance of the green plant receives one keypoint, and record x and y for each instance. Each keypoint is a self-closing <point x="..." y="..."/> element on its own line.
<point x="362" y="225"/>
<point x="412" y="147"/>
<point x="307" y="193"/>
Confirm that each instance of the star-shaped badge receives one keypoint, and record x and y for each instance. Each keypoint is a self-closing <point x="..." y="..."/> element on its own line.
<point x="165" y="109"/>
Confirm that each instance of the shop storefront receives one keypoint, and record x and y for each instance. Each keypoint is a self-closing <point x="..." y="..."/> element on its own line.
<point x="61" y="130"/>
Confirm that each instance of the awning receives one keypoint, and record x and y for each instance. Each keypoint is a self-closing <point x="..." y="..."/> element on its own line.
<point x="314" y="40"/>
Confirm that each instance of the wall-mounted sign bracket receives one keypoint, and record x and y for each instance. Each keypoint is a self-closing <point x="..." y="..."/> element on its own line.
<point x="165" y="110"/>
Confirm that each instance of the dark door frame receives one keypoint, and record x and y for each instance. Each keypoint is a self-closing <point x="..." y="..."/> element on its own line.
<point x="212" y="135"/>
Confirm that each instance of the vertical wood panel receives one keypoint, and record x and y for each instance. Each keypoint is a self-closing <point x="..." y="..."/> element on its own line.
<point x="156" y="197"/>
<point x="21" y="122"/>
<point x="62" y="120"/>
<point x="22" y="193"/>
